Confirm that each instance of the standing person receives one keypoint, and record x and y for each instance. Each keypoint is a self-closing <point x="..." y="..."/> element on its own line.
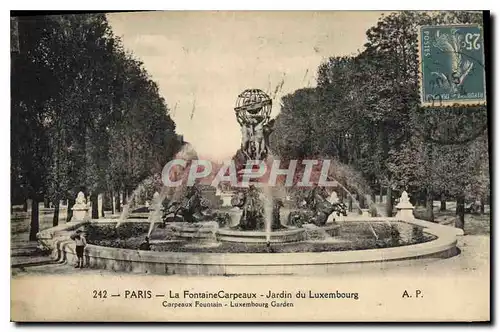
<point x="80" y="246"/>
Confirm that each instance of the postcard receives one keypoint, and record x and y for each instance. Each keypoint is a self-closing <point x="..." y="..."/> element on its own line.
<point x="250" y="166"/>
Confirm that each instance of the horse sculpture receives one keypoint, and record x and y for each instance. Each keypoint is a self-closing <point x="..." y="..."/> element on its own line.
<point x="317" y="209"/>
<point x="193" y="208"/>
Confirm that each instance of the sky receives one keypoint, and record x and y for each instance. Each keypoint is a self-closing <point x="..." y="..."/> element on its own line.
<point x="202" y="61"/>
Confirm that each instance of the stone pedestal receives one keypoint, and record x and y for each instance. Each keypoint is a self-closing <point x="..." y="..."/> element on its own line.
<point x="365" y="213"/>
<point x="405" y="208"/>
<point x="226" y="199"/>
<point x="80" y="213"/>
<point x="80" y="209"/>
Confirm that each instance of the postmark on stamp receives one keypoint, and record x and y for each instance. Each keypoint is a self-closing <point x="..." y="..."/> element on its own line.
<point x="452" y="68"/>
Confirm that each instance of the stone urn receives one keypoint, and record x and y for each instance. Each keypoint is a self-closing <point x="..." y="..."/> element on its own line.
<point x="235" y="215"/>
<point x="333" y="198"/>
<point x="405" y="208"/>
<point x="80" y="209"/>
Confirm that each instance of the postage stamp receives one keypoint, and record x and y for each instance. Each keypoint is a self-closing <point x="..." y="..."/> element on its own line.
<point x="452" y="68"/>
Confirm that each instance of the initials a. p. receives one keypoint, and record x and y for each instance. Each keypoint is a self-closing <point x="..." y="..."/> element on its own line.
<point x="418" y="294"/>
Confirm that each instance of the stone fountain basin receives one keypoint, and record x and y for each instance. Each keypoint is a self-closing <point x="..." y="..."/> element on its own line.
<point x="200" y="230"/>
<point x="297" y="263"/>
<point x="278" y="236"/>
<point x="211" y="230"/>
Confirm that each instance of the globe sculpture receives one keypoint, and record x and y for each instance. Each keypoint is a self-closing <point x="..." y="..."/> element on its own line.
<point x="253" y="110"/>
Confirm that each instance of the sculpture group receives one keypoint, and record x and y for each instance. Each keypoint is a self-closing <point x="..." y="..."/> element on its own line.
<point x="253" y="109"/>
<point x="253" y="113"/>
<point x="192" y="207"/>
<point x="316" y="209"/>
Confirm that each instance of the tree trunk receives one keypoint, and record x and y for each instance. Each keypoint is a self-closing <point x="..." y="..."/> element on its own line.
<point x="381" y="194"/>
<point x="25" y="205"/>
<point x="373" y="197"/>
<point x="103" y="200"/>
<point x="481" y="207"/>
<point x="419" y="201"/>
<point x="413" y="198"/>
<point x="443" y="203"/>
<point x="55" y="219"/>
<point x="429" y="205"/>
<point x="69" y="215"/>
<point x="118" y="206"/>
<point x="361" y="201"/>
<point x="113" y="203"/>
<point x="35" y="224"/>
<point x="95" y="208"/>
<point x="46" y="203"/>
<point x="385" y="155"/>
<point x="388" y="203"/>
<point x="124" y="197"/>
<point x="460" y="219"/>
<point x="350" y="204"/>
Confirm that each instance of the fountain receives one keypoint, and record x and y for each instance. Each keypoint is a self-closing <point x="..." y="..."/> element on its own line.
<point x="260" y="210"/>
<point x="155" y="212"/>
<point x="256" y="229"/>
<point x="255" y="213"/>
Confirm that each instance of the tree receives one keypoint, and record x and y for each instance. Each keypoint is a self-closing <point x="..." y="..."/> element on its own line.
<point x="76" y="97"/>
<point x="29" y="138"/>
<point x="366" y="113"/>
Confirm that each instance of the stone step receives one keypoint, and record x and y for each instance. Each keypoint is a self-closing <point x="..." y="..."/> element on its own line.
<point x="23" y="261"/>
<point x="22" y="252"/>
<point x="28" y="252"/>
<point x="26" y="249"/>
<point x="23" y="245"/>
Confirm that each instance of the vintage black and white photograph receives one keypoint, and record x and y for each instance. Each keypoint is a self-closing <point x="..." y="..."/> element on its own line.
<point x="250" y="166"/>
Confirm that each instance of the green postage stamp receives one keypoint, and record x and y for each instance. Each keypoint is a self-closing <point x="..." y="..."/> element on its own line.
<point x="452" y="65"/>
